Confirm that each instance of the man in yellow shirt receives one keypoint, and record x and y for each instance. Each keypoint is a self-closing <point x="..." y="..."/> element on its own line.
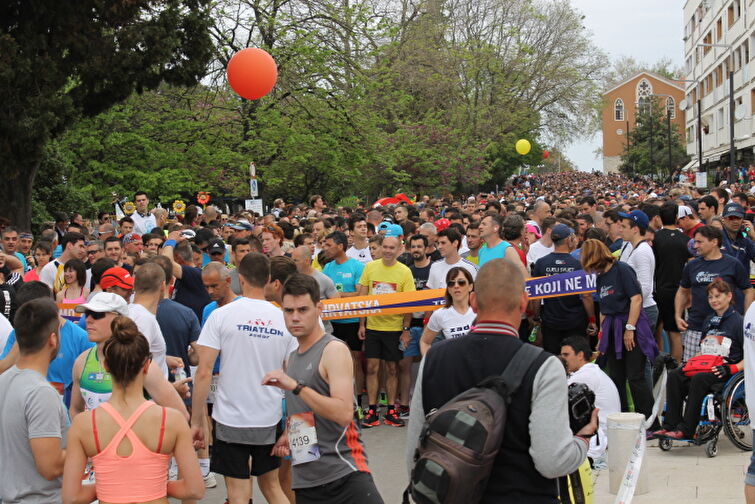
<point x="382" y="333"/>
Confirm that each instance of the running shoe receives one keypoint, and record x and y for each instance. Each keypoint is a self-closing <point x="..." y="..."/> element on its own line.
<point x="675" y="435"/>
<point x="383" y="399"/>
<point x="392" y="418"/>
<point x="371" y="419"/>
<point x="210" y="481"/>
<point x="403" y="412"/>
<point x="360" y="413"/>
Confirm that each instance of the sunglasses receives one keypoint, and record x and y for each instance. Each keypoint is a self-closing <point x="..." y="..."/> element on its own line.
<point x="95" y="315"/>
<point x="460" y="283"/>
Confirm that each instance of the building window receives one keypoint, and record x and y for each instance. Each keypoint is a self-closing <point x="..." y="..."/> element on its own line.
<point x="671" y="107"/>
<point x="644" y="89"/>
<point x="618" y="110"/>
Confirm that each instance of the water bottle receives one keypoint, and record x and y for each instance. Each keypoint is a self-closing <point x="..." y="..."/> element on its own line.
<point x="533" y="334"/>
<point x="180" y="374"/>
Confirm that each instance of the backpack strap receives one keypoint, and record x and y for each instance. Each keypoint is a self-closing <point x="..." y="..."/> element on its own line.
<point x="518" y="367"/>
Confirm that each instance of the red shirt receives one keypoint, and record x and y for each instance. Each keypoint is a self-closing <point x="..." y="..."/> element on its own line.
<point x="691" y="232"/>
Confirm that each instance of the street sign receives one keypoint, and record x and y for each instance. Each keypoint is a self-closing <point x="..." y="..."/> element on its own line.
<point x="252" y="170"/>
<point x="254" y="205"/>
<point x="253" y="188"/>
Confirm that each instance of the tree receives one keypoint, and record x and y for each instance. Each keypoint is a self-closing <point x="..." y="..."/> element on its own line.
<point x="64" y="60"/>
<point x="647" y="149"/>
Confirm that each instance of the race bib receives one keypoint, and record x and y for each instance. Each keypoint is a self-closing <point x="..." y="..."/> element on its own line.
<point x="715" y="345"/>
<point x="213" y="388"/>
<point x="302" y="438"/>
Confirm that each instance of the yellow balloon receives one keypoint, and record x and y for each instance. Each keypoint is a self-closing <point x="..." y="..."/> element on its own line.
<point x="523" y="147"/>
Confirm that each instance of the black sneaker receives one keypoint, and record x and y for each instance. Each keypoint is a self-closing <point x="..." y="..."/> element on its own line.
<point x="392" y="418"/>
<point x="403" y="412"/>
<point x="371" y="419"/>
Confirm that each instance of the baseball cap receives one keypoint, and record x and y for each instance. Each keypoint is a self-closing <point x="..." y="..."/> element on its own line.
<point x="104" y="302"/>
<point x="734" y="210"/>
<point x="532" y="229"/>
<point x="560" y="232"/>
<point x="638" y="217"/>
<point x="216" y="246"/>
<point x="131" y="238"/>
<point x="188" y="233"/>
<point x="442" y="224"/>
<point x="394" y="230"/>
<point x="116" y="277"/>
<point x="242" y="225"/>
<point x="383" y="226"/>
<point x="683" y="211"/>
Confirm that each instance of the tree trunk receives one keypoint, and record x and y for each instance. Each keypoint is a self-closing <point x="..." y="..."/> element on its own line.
<point x="17" y="192"/>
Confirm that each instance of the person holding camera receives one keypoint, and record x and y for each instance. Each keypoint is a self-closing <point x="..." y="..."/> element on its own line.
<point x="576" y="353"/>
<point x="538" y="445"/>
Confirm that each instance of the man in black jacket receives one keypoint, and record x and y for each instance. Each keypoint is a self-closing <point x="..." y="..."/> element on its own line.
<point x="538" y="445"/>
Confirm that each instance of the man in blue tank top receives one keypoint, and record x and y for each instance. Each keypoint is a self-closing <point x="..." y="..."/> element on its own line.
<point x="322" y="436"/>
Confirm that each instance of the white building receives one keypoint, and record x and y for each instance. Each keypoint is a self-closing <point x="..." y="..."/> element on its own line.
<point x="730" y="23"/>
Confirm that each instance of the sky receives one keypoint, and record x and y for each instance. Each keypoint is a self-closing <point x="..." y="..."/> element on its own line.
<point x="647" y="30"/>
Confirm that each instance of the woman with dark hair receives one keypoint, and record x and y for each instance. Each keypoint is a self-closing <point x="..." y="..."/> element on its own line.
<point x="456" y="318"/>
<point x="75" y="291"/>
<point x="625" y="337"/>
<point x="42" y="255"/>
<point x="130" y="440"/>
<point x="722" y="336"/>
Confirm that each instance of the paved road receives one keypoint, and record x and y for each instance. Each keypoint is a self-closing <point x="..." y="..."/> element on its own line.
<point x="677" y="477"/>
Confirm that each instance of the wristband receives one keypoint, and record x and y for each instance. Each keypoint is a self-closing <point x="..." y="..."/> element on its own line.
<point x="170" y="243"/>
<point x="591" y="320"/>
<point x="425" y="321"/>
<point x="600" y="334"/>
<point x="733" y="369"/>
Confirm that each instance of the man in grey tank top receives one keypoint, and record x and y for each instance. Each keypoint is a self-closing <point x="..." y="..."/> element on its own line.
<point x="322" y="437"/>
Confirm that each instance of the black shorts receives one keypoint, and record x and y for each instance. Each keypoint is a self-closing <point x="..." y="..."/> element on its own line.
<point x="349" y="334"/>
<point x="666" y="310"/>
<point x="354" y="487"/>
<point x="232" y="459"/>
<point x="382" y="345"/>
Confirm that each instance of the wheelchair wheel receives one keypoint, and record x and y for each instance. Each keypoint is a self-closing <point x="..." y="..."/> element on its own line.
<point x="665" y="444"/>
<point x="736" y="418"/>
<point x="711" y="448"/>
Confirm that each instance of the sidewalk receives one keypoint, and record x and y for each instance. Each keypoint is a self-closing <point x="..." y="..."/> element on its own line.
<point x="686" y="474"/>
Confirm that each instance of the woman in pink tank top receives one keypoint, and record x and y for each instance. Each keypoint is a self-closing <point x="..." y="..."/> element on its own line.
<point x="130" y="440"/>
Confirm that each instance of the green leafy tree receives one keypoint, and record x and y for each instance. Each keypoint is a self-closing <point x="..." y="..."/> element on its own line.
<point x="647" y="149"/>
<point x="63" y="60"/>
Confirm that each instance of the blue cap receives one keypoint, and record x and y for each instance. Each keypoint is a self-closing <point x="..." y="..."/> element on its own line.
<point x="394" y="230"/>
<point x="638" y="217"/>
<point x="561" y="232"/>
<point x="734" y="209"/>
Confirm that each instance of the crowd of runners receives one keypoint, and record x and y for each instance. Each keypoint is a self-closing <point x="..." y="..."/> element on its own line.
<point x="148" y="355"/>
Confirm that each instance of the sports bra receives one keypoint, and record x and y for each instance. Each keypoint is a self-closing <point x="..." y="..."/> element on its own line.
<point x="139" y="477"/>
<point x="95" y="383"/>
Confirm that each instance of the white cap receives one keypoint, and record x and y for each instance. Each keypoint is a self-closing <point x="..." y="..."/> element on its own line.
<point x="683" y="211"/>
<point x="104" y="302"/>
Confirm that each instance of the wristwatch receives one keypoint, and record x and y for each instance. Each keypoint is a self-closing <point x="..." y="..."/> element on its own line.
<point x="407" y="328"/>
<point x="297" y="389"/>
<point x="630" y="327"/>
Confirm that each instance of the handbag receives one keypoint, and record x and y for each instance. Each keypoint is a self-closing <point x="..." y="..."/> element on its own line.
<point x="701" y="364"/>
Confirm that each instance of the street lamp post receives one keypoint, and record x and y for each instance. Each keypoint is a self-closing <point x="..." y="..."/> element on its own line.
<point x="732" y="149"/>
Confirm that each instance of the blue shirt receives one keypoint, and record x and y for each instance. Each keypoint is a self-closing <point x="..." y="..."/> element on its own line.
<point x="696" y="276"/>
<point x="740" y="248"/>
<point x="346" y="278"/>
<point x="562" y="311"/>
<point x="616" y="287"/>
<point x="73" y="342"/>
<point x="488" y="254"/>
<point x="180" y="328"/>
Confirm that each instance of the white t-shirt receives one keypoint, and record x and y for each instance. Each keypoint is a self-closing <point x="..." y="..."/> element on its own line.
<point x="362" y="255"/>
<point x="536" y="251"/>
<point x="51" y="272"/>
<point x="642" y="261"/>
<point x="148" y="326"/>
<point x="450" y="323"/>
<point x="253" y="340"/>
<point x="439" y="270"/>
<point x="749" y="355"/>
<point x="606" y="400"/>
<point x="143" y="225"/>
<point x="5" y="330"/>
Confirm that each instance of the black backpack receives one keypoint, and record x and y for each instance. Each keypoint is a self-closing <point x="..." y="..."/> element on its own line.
<point x="460" y="440"/>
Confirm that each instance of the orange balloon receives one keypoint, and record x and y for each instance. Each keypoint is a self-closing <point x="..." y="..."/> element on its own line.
<point x="252" y="73"/>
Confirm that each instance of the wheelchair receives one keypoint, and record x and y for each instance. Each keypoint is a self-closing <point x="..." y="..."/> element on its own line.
<point x="724" y="408"/>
